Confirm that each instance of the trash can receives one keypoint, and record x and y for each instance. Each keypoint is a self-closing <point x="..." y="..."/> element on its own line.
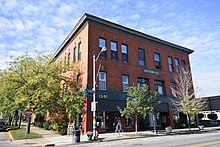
<point x="76" y="136"/>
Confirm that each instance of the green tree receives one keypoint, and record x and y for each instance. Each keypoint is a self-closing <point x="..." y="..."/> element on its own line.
<point x="139" y="102"/>
<point x="185" y="100"/>
<point x="72" y="97"/>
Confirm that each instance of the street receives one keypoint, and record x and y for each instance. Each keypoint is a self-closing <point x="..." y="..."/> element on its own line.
<point x="4" y="140"/>
<point x="192" y="140"/>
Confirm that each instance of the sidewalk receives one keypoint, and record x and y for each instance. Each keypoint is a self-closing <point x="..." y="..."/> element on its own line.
<point x="51" y="138"/>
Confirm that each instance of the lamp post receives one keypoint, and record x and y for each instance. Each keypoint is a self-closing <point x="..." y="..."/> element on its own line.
<point x="94" y="93"/>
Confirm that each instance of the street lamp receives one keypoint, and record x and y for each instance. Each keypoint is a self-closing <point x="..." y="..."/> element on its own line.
<point x="94" y="92"/>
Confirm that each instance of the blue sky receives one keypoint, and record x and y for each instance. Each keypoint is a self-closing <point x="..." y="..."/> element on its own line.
<point x="42" y="25"/>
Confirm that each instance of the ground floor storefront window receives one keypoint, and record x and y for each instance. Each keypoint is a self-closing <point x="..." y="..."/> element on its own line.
<point x="100" y="120"/>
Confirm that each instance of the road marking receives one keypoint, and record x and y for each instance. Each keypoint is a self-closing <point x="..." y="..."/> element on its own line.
<point x="204" y="144"/>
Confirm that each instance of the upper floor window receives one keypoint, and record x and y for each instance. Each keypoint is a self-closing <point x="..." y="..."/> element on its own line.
<point x="79" y="50"/>
<point x="124" y="50"/>
<point x="159" y="87"/>
<point x="170" y="63"/>
<point x="183" y="64"/>
<point x="142" y="81"/>
<point x="125" y="83"/>
<point x="65" y="59"/>
<point x="141" y="57"/>
<point x="114" y="50"/>
<point x="74" y="54"/>
<point x="78" y="81"/>
<point x="177" y="64"/>
<point x="102" y="81"/>
<point x="102" y="43"/>
<point x="173" y="88"/>
<point x="68" y="59"/>
<point x="157" y="60"/>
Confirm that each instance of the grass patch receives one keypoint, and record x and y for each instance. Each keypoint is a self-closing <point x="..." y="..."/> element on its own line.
<point x="20" y="134"/>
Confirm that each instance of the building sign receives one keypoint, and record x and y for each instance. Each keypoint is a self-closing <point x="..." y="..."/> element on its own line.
<point x="151" y="72"/>
<point x="103" y="96"/>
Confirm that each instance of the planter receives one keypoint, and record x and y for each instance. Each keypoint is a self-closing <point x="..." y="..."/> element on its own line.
<point x="168" y="129"/>
<point x="89" y="136"/>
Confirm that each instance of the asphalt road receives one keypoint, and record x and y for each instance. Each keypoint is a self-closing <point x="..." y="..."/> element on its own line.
<point x="189" y="140"/>
<point x="4" y="140"/>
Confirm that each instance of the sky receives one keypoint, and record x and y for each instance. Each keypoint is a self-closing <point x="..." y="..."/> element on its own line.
<point x="42" y="25"/>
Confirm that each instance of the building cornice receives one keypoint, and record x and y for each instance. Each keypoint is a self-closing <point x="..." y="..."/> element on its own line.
<point x="90" y="18"/>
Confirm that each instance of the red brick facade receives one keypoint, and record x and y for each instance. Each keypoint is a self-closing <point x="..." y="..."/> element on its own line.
<point x="87" y="32"/>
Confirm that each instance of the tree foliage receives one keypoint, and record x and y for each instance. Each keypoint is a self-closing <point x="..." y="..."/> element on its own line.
<point x="139" y="102"/>
<point x="185" y="100"/>
<point x="34" y="82"/>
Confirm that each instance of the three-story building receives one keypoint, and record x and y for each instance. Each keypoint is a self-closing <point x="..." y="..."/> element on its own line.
<point x="131" y="58"/>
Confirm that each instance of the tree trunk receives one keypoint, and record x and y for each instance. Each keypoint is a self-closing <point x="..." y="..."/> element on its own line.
<point x="20" y="119"/>
<point x="136" y="123"/>
<point x="188" y="118"/>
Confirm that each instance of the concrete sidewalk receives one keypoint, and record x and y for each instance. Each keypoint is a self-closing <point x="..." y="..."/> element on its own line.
<point x="52" y="138"/>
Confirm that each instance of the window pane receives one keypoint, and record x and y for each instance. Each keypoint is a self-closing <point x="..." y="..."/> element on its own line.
<point x="141" y="57"/>
<point x="113" y="46"/>
<point x="125" y="79"/>
<point x="124" y="49"/>
<point x="125" y="83"/>
<point x="159" y="85"/>
<point x="124" y="57"/>
<point x="102" y="43"/>
<point x="170" y="62"/>
<point x="74" y="54"/>
<point x="141" y="82"/>
<point x="157" y="60"/>
<point x="101" y="85"/>
<point x="156" y="57"/>
<point x="102" y="81"/>
<point x="102" y="76"/>
<point x="79" y="51"/>
<point x="160" y="90"/>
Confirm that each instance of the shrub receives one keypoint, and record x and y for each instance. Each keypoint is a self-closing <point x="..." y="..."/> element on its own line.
<point x="62" y="129"/>
<point x="39" y="124"/>
<point x="47" y="125"/>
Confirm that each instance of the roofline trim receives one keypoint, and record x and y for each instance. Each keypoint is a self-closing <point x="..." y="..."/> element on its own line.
<point x="93" y="18"/>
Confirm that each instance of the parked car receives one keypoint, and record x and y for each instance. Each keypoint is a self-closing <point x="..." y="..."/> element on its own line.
<point x="3" y="126"/>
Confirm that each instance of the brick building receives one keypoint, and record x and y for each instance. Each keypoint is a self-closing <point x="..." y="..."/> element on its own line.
<point x="132" y="58"/>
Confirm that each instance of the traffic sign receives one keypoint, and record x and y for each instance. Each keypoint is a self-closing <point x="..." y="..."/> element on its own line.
<point x="28" y="112"/>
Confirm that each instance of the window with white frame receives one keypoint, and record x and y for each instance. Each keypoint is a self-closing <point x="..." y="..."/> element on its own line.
<point x="177" y="65"/>
<point x="183" y="64"/>
<point x="125" y="83"/>
<point x="114" y="50"/>
<point x="141" y="57"/>
<point x="157" y="60"/>
<point x="173" y="88"/>
<point x="159" y="87"/>
<point x="68" y="59"/>
<point x="142" y="81"/>
<point x="79" y="50"/>
<point x="170" y="63"/>
<point x="102" y="81"/>
<point x="74" y="54"/>
<point x="124" y="50"/>
<point x="102" y="43"/>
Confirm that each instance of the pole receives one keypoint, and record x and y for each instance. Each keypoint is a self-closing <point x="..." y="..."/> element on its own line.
<point x="94" y="102"/>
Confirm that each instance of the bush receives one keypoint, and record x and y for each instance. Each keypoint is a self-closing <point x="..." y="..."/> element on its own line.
<point x="62" y="129"/>
<point x="39" y="124"/>
<point x="47" y="125"/>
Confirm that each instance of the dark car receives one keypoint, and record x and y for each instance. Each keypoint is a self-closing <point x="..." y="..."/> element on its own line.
<point x="3" y="126"/>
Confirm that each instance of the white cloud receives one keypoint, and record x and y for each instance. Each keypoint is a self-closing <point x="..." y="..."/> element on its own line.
<point x="154" y="8"/>
<point x="65" y="10"/>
